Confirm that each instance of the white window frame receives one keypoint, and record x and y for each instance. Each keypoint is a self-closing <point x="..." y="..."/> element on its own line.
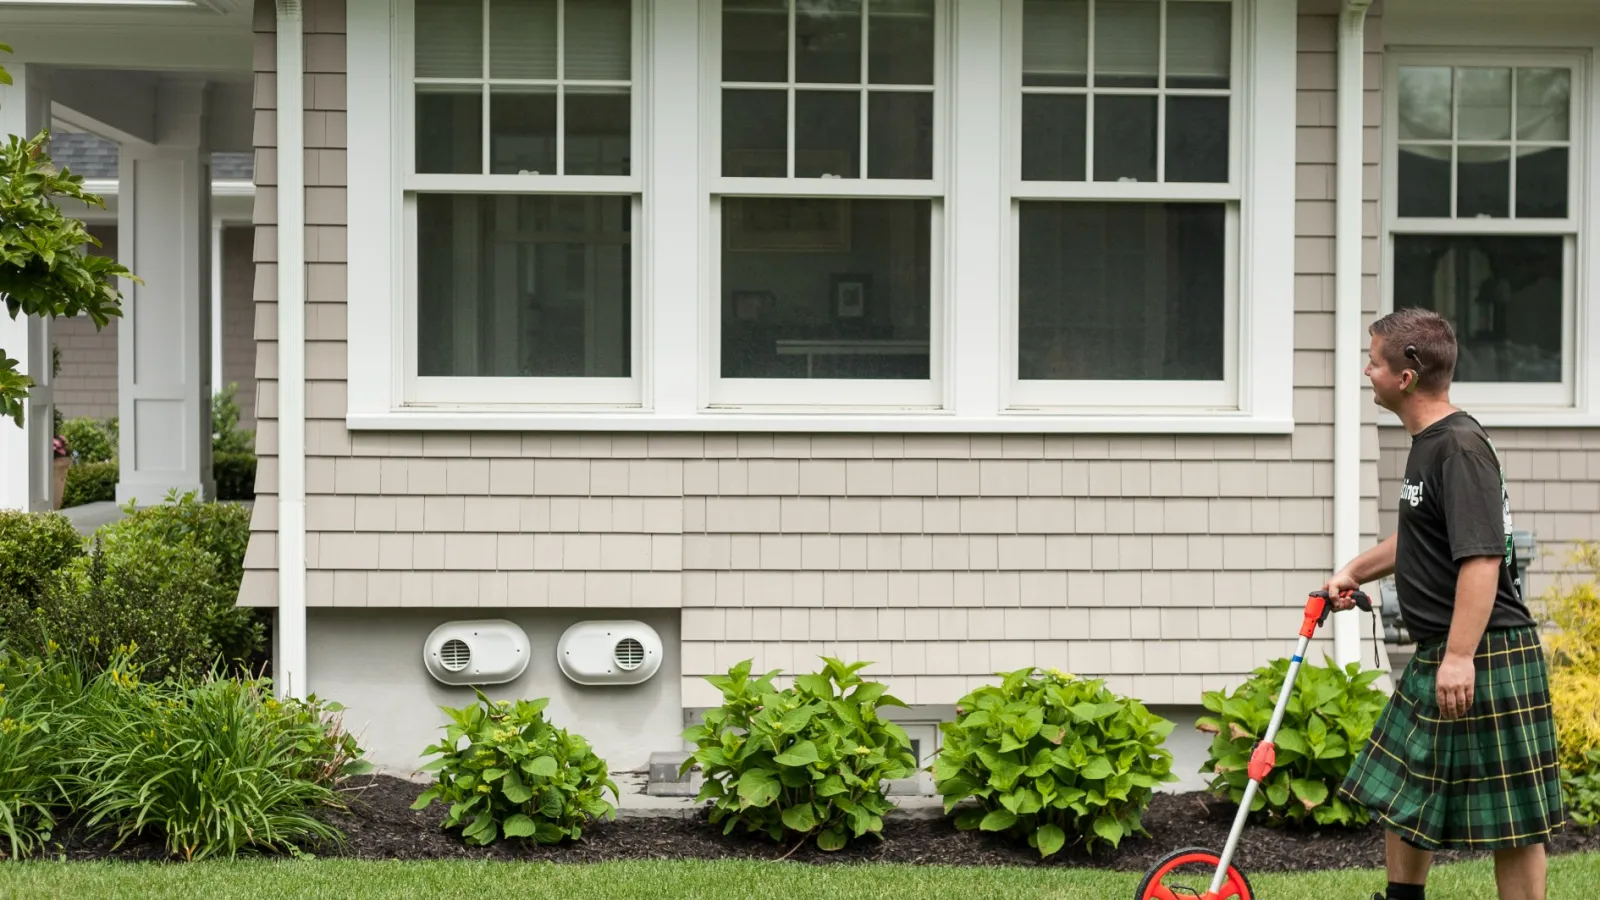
<point x="548" y="392"/>
<point x="678" y="266"/>
<point x="1508" y="403"/>
<point x="778" y="394"/>
<point x="1136" y="396"/>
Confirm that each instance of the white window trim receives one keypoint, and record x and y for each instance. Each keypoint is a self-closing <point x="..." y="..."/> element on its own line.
<point x="675" y="277"/>
<point x="1576" y="401"/>
<point x="1087" y="395"/>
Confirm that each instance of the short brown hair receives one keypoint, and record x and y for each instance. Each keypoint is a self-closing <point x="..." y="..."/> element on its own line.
<point x="1420" y="340"/>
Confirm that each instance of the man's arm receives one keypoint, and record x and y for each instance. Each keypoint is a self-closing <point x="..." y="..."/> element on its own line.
<point x="1375" y="563"/>
<point x="1474" y="515"/>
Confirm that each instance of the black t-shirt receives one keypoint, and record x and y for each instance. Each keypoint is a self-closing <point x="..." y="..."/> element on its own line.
<point x="1453" y="505"/>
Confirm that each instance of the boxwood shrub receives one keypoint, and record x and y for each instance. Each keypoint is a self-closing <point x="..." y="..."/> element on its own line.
<point x="1053" y="759"/>
<point x="94" y="482"/>
<point x="809" y="761"/>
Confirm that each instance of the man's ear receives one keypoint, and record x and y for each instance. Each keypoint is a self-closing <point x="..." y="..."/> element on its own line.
<point x="1415" y="380"/>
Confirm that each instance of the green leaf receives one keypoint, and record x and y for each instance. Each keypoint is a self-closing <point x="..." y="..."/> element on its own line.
<point x="800" y="818"/>
<point x="541" y="766"/>
<point x="1311" y="793"/>
<point x="801" y="754"/>
<point x="831" y="840"/>
<point x="998" y="820"/>
<point x="758" y="788"/>
<point x="1051" y="840"/>
<point x="514" y="790"/>
<point x="1098" y="768"/>
<point x="1108" y="828"/>
<point x="519" y="825"/>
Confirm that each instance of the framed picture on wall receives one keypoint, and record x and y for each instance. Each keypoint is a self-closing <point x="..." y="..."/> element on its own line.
<point x="851" y="295"/>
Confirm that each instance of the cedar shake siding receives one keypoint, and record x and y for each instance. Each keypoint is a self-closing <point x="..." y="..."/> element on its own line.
<point x="1170" y="564"/>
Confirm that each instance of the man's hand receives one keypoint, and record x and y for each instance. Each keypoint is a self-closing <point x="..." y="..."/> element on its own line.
<point x="1454" y="686"/>
<point x="1338" y="587"/>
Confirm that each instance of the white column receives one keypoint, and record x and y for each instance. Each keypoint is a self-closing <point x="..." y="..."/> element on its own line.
<point x="164" y="339"/>
<point x="216" y="306"/>
<point x="25" y="455"/>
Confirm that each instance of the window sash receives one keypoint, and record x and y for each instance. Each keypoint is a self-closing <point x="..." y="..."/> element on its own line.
<point x="1498" y="396"/>
<point x="791" y="185"/>
<point x="1088" y="188"/>
<point x="1101" y="396"/>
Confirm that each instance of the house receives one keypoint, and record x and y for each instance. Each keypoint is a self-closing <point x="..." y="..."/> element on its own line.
<point x="957" y="335"/>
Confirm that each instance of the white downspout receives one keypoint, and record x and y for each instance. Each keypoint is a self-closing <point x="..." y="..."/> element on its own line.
<point x="216" y="306"/>
<point x="291" y="632"/>
<point x="1349" y="338"/>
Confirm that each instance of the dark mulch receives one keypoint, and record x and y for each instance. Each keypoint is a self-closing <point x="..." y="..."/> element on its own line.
<point x="381" y="825"/>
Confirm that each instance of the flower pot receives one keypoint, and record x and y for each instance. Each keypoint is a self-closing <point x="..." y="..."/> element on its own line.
<point x="58" y="479"/>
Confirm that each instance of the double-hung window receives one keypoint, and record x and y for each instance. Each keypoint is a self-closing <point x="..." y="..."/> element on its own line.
<point x="521" y="181"/>
<point x="825" y="149"/>
<point x="1482" y="220"/>
<point x="1125" y="185"/>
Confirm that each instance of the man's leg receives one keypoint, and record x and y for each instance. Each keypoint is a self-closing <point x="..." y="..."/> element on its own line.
<point x="1408" y="865"/>
<point x="1520" y="873"/>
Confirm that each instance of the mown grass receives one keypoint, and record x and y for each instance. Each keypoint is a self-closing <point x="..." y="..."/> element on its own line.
<point x="1570" y="876"/>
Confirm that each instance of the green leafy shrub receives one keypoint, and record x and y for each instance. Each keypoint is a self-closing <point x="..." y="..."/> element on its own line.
<point x="810" y="760"/>
<point x="1328" y="718"/>
<point x="235" y="474"/>
<point x="214" y="767"/>
<point x="226" y="435"/>
<point x="1054" y="759"/>
<point x="90" y="440"/>
<point x="90" y="483"/>
<point x="1580" y="790"/>
<point x="33" y="548"/>
<point x="517" y="775"/>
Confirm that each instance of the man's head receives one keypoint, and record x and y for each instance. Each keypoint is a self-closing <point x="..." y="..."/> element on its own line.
<point x="1412" y="354"/>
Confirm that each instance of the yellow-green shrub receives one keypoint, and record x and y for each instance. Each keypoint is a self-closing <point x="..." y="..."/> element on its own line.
<point x="1573" y="644"/>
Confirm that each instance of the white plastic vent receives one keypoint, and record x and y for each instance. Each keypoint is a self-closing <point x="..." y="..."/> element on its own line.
<point x="455" y="654"/>
<point x="490" y="651"/>
<point x="613" y="652"/>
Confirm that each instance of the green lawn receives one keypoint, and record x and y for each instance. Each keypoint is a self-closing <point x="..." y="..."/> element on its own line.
<point x="1569" y="877"/>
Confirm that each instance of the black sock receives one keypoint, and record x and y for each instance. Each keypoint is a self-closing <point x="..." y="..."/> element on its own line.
<point x="1399" y="891"/>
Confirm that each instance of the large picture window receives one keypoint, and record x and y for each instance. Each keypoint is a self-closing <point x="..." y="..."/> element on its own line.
<point x="826" y="202"/>
<point x="1125" y="203"/>
<point x="1483" y="160"/>
<point x="521" y="194"/>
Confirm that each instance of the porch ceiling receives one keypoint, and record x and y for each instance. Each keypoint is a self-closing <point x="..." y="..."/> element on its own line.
<point x="211" y="36"/>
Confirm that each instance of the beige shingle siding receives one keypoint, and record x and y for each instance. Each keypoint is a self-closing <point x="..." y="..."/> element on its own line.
<point x="1170" y="564"/>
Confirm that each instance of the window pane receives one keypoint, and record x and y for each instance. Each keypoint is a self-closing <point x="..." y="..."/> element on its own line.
<point x="755" y="134"/>
<point x="900" y="134"/>
<point x="599" y="123"/>
<point x="1122" y="291"/>
<point x="1127" y="43"/>
<point x="450" y="39"/>
<point x="755" y="40"/>
<point x="524" y="286"/>
<point x="522" y="130"/>
<point x="827" y="41"/>
<point x="1483" y="182"/>
<point x="1199" y="45"/>
<point x="1503" y="295"/>
<point x="1485" y="104"/>
<point x="1124" y="138"/>
<point x="1197" y="139"/>
<point x="900" y="42"/>
<point x="1426" y="97"/>
<point x="827" y="134"/>
<point x="522" y="38"/>
<point x="449" y="129"/>
<point x="1055" y="43"/>
<point x="1542" y="184"/>
<point x="599" y="40"/>
<point x="1054" y="129"/>
<point x="1424" y="181"/>
<point x="816" y="288"/>
<point x="1544" y="104"/>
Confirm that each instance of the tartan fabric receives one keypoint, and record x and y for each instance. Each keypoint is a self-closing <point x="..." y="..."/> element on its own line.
<point x="1486" y="781"/>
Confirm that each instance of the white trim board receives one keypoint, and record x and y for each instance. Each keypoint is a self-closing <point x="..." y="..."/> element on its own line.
<point x="676" y="272"/>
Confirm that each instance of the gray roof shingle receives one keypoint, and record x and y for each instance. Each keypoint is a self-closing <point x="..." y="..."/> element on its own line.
<point x="94" y="157"/>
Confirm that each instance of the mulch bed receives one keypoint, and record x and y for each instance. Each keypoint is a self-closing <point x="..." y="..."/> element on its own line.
<point x="381" y="825"/>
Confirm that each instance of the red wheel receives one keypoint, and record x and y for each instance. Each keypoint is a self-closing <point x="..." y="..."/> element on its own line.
<point x="1186" y="875"/>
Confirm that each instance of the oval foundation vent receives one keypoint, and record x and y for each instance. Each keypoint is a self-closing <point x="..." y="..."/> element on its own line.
<point x="630" y="654"/>
<point x="455" y="654"/>
<point x="609" y="652"/>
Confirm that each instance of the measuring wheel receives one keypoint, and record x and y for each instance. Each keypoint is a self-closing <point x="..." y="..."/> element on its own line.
<point x="1187" y="874"/>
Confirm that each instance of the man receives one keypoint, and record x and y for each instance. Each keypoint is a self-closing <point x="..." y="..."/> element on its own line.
<point x="1464" y="754"/>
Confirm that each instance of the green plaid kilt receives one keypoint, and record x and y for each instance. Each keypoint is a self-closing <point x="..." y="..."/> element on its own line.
<point x="1486" y="781"/>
